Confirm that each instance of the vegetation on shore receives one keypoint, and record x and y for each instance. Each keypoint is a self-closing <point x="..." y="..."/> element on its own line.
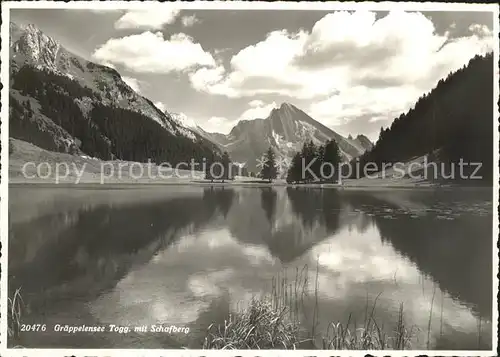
<point x="276" y="321"/>
<point x="14" y="312"/>
<point x="323" y="160"/>
<point x="454" y="120"/>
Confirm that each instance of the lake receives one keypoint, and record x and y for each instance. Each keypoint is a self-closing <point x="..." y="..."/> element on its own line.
<point x="189" y="255"/>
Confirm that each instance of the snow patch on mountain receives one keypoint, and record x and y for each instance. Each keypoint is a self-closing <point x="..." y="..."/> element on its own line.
<point x="31" y="46"/>
<point x="286" y="129"/>
<point x="85" y="105"/>
<point x="183" y="120"/>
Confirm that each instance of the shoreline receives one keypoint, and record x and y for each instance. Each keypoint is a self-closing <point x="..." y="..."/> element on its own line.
<point x="92" y="175"/>
<point x="130" y="183"/>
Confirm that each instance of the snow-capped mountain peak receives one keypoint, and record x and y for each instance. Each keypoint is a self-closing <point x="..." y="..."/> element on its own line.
<point x="183" y="120"/>
<point x="286" y="129"/>
<point x="87" y="84"/>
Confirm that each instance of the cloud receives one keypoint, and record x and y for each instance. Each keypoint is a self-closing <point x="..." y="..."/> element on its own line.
<point x="256" y="103"/>
<point x="218" y="125"/>
<point x="98" y="10"/>
<point x="132" y="83"/>
<point x="153" y="18"/>
<point x="160" y="106"/>
<point x="188" y="21"/>
<point x="361" y="101"/>
<point x="107" y="64"/>
<point x="257" y="110"/>
<point x="345" y="48"/>
<point x="150" y="53"/>
<point x="210" y="80"/>
<point x="480" y="30"/>
<point x="350" y="65"/>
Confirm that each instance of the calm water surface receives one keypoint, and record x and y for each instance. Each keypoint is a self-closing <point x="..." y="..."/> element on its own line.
<point x="187" y="256"/>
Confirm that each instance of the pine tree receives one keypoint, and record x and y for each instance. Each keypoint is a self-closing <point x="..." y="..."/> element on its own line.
<point x="309" y="153"/>
<point x="319" y="155"/>
<point x="295" y="171"/>
<point x="208" y="167"/>
<point x="226" y="166"/>
<point x="269" y="170"/>
<point x="331" y="159"/>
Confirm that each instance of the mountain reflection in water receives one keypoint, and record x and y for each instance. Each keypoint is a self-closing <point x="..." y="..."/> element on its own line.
<point x="189" y="256"/>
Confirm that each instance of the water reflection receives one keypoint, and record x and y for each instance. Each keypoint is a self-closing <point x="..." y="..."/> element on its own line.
<point x="268" y="199"/>
<point x="219" y="197"/>
<point x="191" y="258"/>
<point x="85" y="250"/>
<point x="316" y="207"/>
<point x="447" y="234"/>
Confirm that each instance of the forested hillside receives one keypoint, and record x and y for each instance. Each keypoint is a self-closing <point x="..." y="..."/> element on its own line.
<point x="62" y="102"/>
<point x="455" y="120"/>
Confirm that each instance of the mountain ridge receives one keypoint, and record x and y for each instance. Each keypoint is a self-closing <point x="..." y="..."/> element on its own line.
<point x="449" y="124"/>
<point x="45" y="76"/>
<point x="285" y="129"/>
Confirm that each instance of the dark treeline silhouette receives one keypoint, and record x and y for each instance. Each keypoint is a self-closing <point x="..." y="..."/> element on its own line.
<point x="135" y="137"/>
<point x="268" y="198"/>
<point x="456" y="253"/>
<point x="24" y="126"/>
<point x="219" y="167"/>
<point x="312" y="209"/>
<point x="108" y="132"/>
<point x="99" y="244"/>
<point x="324" y="160"/>
<point x="219" y="197"/>
<point x="454" y="121"/>
<point x="313" y="206"/>
<point x="444" y="250"/>
<point x="269" y="169"/>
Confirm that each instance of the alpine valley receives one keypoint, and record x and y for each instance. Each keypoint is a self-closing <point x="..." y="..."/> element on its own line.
<point x="61" y="102"/>
<point x="285" y="130"/>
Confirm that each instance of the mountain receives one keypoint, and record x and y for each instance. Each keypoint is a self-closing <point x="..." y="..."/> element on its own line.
<point x="454" y="121"/>
<point x="285" y="130"/>
<point x="62" y="102"/>
<point x="182" y="120"/>
<point x="287" y="223"/>
<point x="362" y="141"/>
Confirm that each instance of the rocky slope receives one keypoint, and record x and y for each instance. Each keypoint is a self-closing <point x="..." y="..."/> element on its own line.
<point x="43" y="72"/>
<point x="285" y="130"/>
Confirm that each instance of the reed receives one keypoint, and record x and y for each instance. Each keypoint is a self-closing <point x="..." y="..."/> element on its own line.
<point x="275" y="321"/>
<point x="260" y="326"/>
<point x="15" y="308"/>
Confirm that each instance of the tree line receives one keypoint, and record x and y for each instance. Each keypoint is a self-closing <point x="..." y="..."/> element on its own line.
<point x="315" y="163"/>
<point x="106" y="132"/>
<point x="452" y="122"/>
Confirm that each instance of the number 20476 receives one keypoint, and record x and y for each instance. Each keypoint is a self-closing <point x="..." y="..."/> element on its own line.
<point x="33" y="327"/>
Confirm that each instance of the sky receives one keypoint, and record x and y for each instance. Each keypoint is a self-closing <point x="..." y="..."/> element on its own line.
<point x="352" y="71"/>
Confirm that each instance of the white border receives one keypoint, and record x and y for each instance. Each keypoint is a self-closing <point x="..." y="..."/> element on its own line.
<point x="228" y="5"/>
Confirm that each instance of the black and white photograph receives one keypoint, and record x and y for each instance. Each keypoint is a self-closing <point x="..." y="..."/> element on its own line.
<point x="214" y="177"/>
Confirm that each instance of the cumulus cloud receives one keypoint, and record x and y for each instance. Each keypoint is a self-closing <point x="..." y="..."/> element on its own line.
<point x="481" y="30"/>
<point x="218" y="124"/>
<point x="256" y="103"/>
<point x="361" y="101"/>
<point x="160" y="106"/>
<point x="257" y="110"/>
<point x="153" y="18"/>
<point x="150" y="53"/>
<point x="210" y="80"/>
<point x="188" y="21"/>
<point x="133" y="83"/>
<point x="350" y="65"/>
<point x="107" y="64"/>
